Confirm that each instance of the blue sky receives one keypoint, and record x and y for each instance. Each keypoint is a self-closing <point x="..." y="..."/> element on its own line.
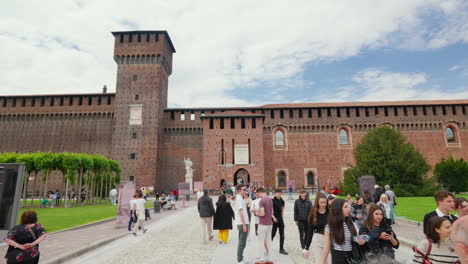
<point x="246" y="53"/>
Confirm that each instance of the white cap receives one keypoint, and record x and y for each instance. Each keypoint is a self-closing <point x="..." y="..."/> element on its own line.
<point x="376" y="186"/>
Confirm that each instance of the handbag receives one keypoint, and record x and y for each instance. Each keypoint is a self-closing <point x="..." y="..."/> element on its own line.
<point x="425" y="259"/>
<point x="18" y="255"/>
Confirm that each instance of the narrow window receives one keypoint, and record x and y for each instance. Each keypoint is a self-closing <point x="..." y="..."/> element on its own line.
<point x="463" y="110"/>
<point x="386" y="111"/>
<point x="434" y="110"/>
<point x="358" y="113"/>
<point x="130" y="38"/>
<point x="454" y="110"/>
<point x="405" y="111"/>
<point x="139" y="37"/>
<point x="90" y="100"/>
<point x="52" y="101"/>
<point x="348" y="114"/>
<point x="450" y="135"/>
<point x="192" y="116"/>
<point x="281" y="113"/>
<point x="233" y="123"/>
<point x="319" y="113"/>
<point x="137" y="97"/>
<point x="131" y="178"/>
<point x="344" y="137"/>
<point x="233" y="151"/>
<point x="309" y="112"/>
<point x="424" y="110"/>
<point x="300" y="113"/>
<point x="182" y="116"/>
<point x="109" y="100"/>
<point x="376" y="111"/>
<point x="121" y="38"/>
<point x="132" y="156"/>
<point x="415" y="111"/>
<point x="14" y="102"/>
<point x="135" y="77"/>
<point x="211" y="123"/>
<point x="222" y="151"/>
<point x="147" y="37"/>
<point x="243" y="123"/>
<point x="248" y="142"/>
<point x="42" y="101"/>
<point x="61" y="101"/>
<point x="80" y="100"/>
<point x="172" y="116"/>
<point x="279" y="138"/>
<point x="282" y="179"/>
<point x="395" y="111"/>
<point x="262" y="111"/>
<point x="254" y="122"/>
<point x="4" y="103"/>
<point x="99" y="100"/>
<point x="338" y="112"/>
<point x="444" y="110"/>
<point x="272" y="114"/>
<point x="328" y="112"/>
<point x="134" y="135"/>
<point x="367" y="111"/>
<point x="291" y="114"/>
<point x="33" y="101"/>
<point x="23" y="103"/>
<point x="310" y="178"/>
<point x="221" y="123"/>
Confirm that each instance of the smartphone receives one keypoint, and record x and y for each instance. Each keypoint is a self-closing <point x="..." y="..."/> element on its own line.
<point x="388" y="231"/>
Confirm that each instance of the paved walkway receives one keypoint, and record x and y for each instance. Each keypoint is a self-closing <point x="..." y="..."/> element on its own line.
<point x="60" y="245"/>
<point x="177" y="239"/>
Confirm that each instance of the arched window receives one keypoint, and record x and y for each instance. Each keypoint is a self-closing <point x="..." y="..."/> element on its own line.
<point x="279" y="138"/>
<point x="450" y="135"/>
<point x="310" y="178"/>
<point x="281" y="179"/>
<point x="344" y="137"/>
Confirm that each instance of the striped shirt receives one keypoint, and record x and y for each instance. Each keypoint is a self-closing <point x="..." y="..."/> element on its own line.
<point x="440" y="253"/>
<point x="346" y="246"/>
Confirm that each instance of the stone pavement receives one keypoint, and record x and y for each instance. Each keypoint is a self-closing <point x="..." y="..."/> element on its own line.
<point x="65" y="244"/>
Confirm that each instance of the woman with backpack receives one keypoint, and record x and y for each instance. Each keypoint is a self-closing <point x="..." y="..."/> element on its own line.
<point x="435" y="248"/>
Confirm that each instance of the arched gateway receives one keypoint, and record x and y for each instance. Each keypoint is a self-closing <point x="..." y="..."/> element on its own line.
<point x="241" y="176"/>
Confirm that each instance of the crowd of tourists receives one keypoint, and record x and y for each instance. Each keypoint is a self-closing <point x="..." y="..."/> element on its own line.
<point x="333" y="230"/>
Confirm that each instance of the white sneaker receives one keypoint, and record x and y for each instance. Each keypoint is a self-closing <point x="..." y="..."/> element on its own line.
<point x="303" y="250"/>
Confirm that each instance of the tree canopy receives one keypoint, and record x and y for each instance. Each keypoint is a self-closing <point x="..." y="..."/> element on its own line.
<point x="452" y="174"/>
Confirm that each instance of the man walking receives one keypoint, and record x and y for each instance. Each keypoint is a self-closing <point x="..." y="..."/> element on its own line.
<point x="278" y="211"/>
<point x="290" y="191"/>
<point x="241" y="220"/>
<point x="445" y="204"/>
<point x="267" y="217"/>
<point x="302" y="208"/>
<point x="391" y="195"/>
<point x="206" y="211"/>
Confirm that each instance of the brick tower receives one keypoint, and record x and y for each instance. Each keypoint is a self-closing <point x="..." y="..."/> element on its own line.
<point x="144" y="63"/>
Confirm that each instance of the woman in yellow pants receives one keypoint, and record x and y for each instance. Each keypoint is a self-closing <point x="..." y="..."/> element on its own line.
<point x="223" y="219"/>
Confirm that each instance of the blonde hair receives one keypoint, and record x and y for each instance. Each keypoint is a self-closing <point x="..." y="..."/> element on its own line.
<point x="383" y="195"/>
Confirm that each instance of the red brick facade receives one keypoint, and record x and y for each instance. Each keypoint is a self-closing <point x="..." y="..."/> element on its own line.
<point x="291" y="140"/>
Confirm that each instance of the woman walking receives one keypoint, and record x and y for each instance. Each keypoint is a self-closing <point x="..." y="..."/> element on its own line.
<point x="382" y="239"/>
<point x="387" y="207"/>
<point x="339" y="233"/>
<point x="435" y="247"/>
<point x="359" y="212"/>
<point x="223" y="219"/>
<point x="23" y="240"/>
<point x="318" y="219"/>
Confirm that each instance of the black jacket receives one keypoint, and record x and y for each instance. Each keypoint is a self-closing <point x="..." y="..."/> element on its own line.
<point x="302" y="209"/>
<point x="428" y="216"/>
<point x="375" y="245"/>
<point x="205" y="206"/>
<point x="223" y="217"/>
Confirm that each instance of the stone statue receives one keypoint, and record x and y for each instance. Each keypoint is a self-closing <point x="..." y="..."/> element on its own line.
<point x="189" y="172"/>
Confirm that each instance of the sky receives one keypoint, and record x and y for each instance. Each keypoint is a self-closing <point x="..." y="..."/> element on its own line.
<point x="245" y="53"/>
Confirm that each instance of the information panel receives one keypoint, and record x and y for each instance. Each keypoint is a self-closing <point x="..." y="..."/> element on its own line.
<point x="241" y="155"/>
<point x="11" y="184"/>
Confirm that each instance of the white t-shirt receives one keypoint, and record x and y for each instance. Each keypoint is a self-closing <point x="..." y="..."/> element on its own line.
<point x="256" y="206"/>
<point x="140" y="204"/>
<point x="387" y="210"/>
<point x="240" y="203"/>
<point x="113" y="192"/>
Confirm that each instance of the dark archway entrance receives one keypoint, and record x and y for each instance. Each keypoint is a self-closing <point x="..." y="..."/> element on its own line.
<point x="241" y="176"/>
<point x="222" y="183"/>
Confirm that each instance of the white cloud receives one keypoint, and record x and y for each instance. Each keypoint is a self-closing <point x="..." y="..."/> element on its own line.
<point x="66" y="46"/>
<point x="455" y="68"/>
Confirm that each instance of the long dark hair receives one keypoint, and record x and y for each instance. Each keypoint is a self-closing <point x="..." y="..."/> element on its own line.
<point x="370" y="217"/>
<point x="336" y="220"/>
<point x="222" y="201"/>
<point x="315" y="208"/>
<point x="435" y="222"/>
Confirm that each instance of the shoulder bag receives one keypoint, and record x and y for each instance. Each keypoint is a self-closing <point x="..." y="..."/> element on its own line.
<point x="425" y="259"/>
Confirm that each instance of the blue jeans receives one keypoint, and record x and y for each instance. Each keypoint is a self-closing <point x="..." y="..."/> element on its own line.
<point x="131" y="221"/>
<point x="290" y="196"/>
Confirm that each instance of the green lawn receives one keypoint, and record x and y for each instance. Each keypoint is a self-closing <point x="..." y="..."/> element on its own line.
<point x="414" y="208"/>
<point x="58" y="218"/>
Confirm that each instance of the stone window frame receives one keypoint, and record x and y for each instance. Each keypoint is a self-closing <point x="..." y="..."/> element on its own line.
<point x="277" y="172"/>
<point x="350" y="138"/>
<point x="306" y="172"/>
<point x="343" y="170"/>
<point x="456" y="135"/>
<point x="284" y="131"/>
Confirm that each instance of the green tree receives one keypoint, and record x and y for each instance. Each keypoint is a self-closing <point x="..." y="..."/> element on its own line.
<point x="386" y="154"/>
<point x="452" y="174"/>
<point x="86" y="164"/>
<point x="46" y="162"/>
<point x="29" y="160"/>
